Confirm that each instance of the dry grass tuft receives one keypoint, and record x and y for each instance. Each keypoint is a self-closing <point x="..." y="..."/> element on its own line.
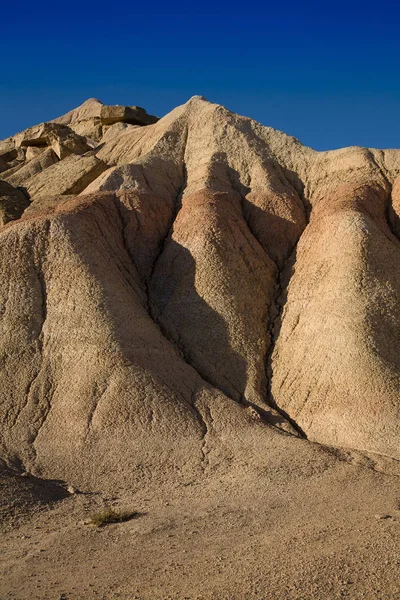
<point x="109" y="515"/>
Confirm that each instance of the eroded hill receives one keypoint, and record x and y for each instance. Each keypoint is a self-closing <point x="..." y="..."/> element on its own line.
<point x="168" y="283"/>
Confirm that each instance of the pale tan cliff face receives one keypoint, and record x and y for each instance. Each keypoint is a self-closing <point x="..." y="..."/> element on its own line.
<point x="176" y="277"/>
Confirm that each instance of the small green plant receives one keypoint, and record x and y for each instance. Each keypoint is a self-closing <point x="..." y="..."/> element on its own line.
<point x="109" y="515"/>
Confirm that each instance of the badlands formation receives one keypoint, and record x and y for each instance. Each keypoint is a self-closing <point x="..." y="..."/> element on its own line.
<point x="199" y="312"/>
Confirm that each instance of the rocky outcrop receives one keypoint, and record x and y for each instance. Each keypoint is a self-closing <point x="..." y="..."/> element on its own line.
<point x="93" y="118"/>
<point x="61" y="139"/>
<point x="135" y="115"/>
<point x="184" y="275"/>
<point x="85" y="119"/>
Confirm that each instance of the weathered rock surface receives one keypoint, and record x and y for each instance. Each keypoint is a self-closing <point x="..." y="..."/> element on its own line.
<point x="7" y="149"/>
<point x="184" y="273"/>
<point x="23" y="172"/>
<point x="69" y="176"/>
<point x="3" y="165"/>
<point x="13" y="202"/>
<point x="335" y="365"/>
<point x="33" y="152"/>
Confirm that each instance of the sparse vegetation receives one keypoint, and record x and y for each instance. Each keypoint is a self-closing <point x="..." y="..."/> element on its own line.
<point x="110" y="515"/>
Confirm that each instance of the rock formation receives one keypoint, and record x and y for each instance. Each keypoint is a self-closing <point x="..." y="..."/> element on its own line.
<point x="163" y="280"/>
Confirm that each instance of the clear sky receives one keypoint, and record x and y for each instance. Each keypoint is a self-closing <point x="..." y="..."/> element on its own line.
<point x="325" y="72"/>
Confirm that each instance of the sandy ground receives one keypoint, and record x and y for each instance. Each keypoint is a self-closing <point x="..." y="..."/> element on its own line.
<point x="304" y="522"/>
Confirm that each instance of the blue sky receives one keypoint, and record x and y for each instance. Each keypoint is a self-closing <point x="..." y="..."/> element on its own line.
<point x="325" y="72"/>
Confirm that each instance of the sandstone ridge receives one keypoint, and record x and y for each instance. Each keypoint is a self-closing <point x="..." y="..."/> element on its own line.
<point x="171" y="285"/>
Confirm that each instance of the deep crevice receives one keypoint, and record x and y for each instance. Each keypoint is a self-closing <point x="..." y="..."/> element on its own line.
<point x="281" y="286"/>
<point x="242" y="190"/>
<point x="176" y="207"/>
<point x="275" y="324"/>
<point x="117" y="203"/>
<point x="182" y="352"/>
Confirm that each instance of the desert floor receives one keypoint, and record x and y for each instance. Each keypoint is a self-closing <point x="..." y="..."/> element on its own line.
<point x="297" y="521"/>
